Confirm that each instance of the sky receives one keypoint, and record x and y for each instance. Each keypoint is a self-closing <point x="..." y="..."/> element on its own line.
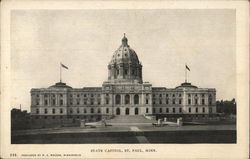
<point x="85" y="40"/>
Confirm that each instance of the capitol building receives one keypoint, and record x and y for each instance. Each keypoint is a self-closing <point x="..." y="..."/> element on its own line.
<point x="123" y="94"/>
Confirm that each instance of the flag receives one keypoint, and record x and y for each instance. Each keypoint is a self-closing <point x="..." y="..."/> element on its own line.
<point x="187" y="68"/>
<point x="64" y="66"/>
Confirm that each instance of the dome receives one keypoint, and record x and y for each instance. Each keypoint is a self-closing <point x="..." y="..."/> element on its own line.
<point x="125" y="54"/>
<point x="60" y="85"/>
<point x="125" y="65"/>
<point x="186" y="85"/>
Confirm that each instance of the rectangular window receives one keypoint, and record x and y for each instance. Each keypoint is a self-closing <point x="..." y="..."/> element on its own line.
<point x="160" y="102"/>
<point x="46" y="102"/>
<point x="107" y="101"/>
<point x="179" y="101"/>
<point x="37" y="111"/>
<point x="85" y="111"/>
<point x="85" y="102"/>
<point x="166" y="101"/>
<point x="91" y="101"/>
<point x="61" y="110"/>
<point x="160" y="110"/>
<point x="146" y="110"/>
<point x="180" y="110"/>
<point x="54" y="102"/>
<point x="189" y="110"/>
<point x="173" y="110"/>
<point x="167" y="110"/>
<point x="45" y="111"/>
<point x="189" y="101"/>
<point x="61" y="102"/>
<point x="146" y="101"/>
<point x="196" y="101"/>
<point x="107" y="110"/>
<point x="173" y="101"/>
<point x="203" y="101"/>
<point x="53" y="111"/>
<point x="203" y="110"/>
<point x="196" y="110"/>
<point x="37" y="102"/>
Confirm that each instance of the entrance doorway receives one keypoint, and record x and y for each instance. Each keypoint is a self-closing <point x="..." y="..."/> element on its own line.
<point x="127" y="111"/>
<point x="136" y="111"/>
<point x="118" y="111"/>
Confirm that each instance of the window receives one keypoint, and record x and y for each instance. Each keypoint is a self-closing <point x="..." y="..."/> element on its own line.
<point x="53" y="111"/>
<point x="37" y="95"/>
<point x="195" y="95"/>
<point x="180" y="110"/>
<point x="179" y="101"/>
<point x="153" y="101"/>
<point x="92" y="110"/>
<point x="92" y="95"/>
<point x="203" y="110"/>
<point x="46" y="102"/>
<point x="37" y="102"/>
<point x="160" y="102"/>
<point x="78" y="102"/>
<point x="45" y="111"/>
<point x="85" y="95"/>
<point x="70" y="111"/>
<point x="78" y="95"/>
<point x="189" y="110"/>
<point x="45" y="95"/>
<point x="202" y="95"/>
<point x="173" y="95"/>
<point x="167" y="110"/>
<point x="136" y="99"/>
<point x="61" y="95"/>
<point x="189" y="101"/>
<point x="85" y="111"/>
<point x="126" y="71"/>
<point x="117" y="99"/>
<point x="167" y="101"/>
<point x="99" y="102"/>
<point x="92" y="101"/>
<point x="117" y="72"/>
<point x="37" y="111"/>
<point x="77" y="110"/>
<point x="127" y="99"/>
<point x="173" y="110"/>
<point x="54" y="102"/>
<point x="196" y="101"/>
<point x="196" y="110"/>
<point x="107" y="95"/>
<point x="203" y="101"/>
<point x="61" y="110"/>
<point x="107" y="110"/>
<point x="173" y="101"/>
<point x="107" y="101"/>
<point x="160" y="95"/>
<point x="160" y="110"/>
<point x="146" y="110"/>
<point x="189" y="95"/>
<point x="61" y="102"/>
<point x="166" y="95"/>
<point x="179" y="95"/>
<point x="99" y="110"/>
<point x="146" y="101"/>
<point x="85" y="102"/>
<point x="153" y="110"/>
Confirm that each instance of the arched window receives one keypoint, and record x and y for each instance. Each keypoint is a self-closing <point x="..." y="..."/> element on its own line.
<point x="136" y="111"/>
<point x="127" y="111"/>
<point x="127" y="99"/>
<point x="117" y="111"/>
<point x="117" y="99"/>
<point x="136" y="99"/>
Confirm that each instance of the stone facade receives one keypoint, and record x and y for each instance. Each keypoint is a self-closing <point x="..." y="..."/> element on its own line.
<point x="124" y="93"/>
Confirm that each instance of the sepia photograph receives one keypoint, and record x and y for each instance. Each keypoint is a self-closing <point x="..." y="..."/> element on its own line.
<point x="122" y="76"/>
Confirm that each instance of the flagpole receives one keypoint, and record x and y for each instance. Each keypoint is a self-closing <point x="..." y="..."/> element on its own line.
<point x="60" y="73"/>
<point x="185" y="73"/>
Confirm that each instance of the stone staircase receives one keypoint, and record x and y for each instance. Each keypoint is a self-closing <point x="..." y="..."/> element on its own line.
<point x="130" y="120"/>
